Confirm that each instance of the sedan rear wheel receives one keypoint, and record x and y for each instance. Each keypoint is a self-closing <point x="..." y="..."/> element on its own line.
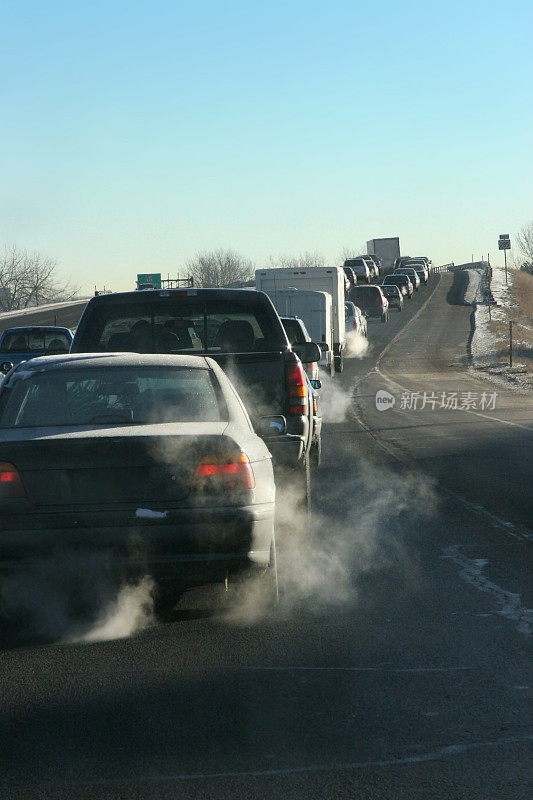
<point x="166" y="596"/>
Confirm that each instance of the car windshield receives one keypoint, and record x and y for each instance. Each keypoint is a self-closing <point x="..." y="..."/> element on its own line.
<point x="294" y="330"/>
<point x="118" y="395"/>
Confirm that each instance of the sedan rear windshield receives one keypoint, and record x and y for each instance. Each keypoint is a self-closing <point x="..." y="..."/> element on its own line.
<point x="294" y="330"/>
<point x="181" y="325"/>
<point x="118" y="395"/>
<point x="366" y="296"/>
<point x="35" y="342"/>
<point x="399" y="278"/>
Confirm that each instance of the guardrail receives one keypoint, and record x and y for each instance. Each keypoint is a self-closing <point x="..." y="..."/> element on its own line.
<point x="443" y="268"/>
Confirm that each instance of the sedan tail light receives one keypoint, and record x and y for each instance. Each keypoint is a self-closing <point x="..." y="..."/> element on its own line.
<point x="10" y="482"/>
<point x="296" y="389"/>
<point x="217" y="473"/>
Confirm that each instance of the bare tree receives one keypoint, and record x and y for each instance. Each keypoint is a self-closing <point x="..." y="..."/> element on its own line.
<point x="29" y="279"/>
<point x="524" y="239"/>
<point x="351" y="252"/>
<point x="308" y="259"/>
<point x="220" y="268"/>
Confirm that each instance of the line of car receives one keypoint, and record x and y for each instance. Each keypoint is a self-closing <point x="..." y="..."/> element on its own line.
<point x="165" y="461"/>
<point x="376" y="300"/>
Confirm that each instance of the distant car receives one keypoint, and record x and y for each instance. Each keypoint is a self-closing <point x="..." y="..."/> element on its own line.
<point x="151" y="459"/>
<point x="399" y="261"/>
<point x="377" y="260"/>
<point x="21" y="343"/>
<point x="371" y="301"/>
<point x="421" y="267"/>
<point x="376" y="263"/>
<point x="350" y="274"/>
<point x="298" y="334"/>
<point x="393" y="294"/>
<point x="361" y="269"/>
<point x="372" y="265"/>
<point x="354" y="319"/>
<point x="412" y="274"/>
<point x="402" y="281"/>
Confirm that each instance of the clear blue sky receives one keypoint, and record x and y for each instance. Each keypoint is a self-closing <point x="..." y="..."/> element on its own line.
<point x="135" y="134"/>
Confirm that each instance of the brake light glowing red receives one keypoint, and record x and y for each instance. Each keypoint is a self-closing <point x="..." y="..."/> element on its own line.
<point x="296" y="389"/>
<point x="221" y="472"/>
<point x="10" y="482"/>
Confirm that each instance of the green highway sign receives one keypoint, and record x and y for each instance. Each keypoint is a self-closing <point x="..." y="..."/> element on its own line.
<point x="152" y="279"/>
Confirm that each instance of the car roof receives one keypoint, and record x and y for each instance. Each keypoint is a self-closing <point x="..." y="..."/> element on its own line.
<point x="137" y="295"/>
<point x="31" y="328"/>
<point x="93" y="360"/>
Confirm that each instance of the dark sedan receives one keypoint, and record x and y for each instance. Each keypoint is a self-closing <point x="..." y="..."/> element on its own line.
<point x="149" y="458"/>
<point x="402" y="282"/>
<point x="393" y="294"/>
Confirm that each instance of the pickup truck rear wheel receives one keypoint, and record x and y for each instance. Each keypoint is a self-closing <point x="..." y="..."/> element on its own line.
<point x="315" y="455"/>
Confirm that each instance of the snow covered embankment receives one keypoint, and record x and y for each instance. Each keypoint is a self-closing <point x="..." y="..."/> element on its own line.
<point x="484" y="344"/>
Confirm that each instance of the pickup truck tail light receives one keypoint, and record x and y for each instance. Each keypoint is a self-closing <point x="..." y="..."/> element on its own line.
<point x="297" y="389"/>
<point x="216" y="473"/>
<point x="10" y="482"/>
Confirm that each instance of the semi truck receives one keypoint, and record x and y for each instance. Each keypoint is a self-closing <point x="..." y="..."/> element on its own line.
<point x="387" y="249"/>
<point x="316" y="310"/>
<point x="330" y="280"/>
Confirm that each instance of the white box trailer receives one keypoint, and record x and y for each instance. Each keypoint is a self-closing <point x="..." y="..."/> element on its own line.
<point x="330" y="280"/>
<point x="315" y="309"/>
<point x="387" y="249"/>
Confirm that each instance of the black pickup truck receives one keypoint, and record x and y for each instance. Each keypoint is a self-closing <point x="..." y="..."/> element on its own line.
<point x="238" y="328"/>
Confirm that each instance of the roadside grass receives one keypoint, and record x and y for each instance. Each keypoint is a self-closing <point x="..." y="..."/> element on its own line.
<point x="520" y="311"/>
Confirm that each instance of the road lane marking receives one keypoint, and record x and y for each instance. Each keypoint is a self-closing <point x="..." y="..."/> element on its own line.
<point x="509" y="602"/>
<point x="518" y="532"/>
<point x="437" y="754"/>
<point x="527" y="428"/>
<point x="362" y="669"/>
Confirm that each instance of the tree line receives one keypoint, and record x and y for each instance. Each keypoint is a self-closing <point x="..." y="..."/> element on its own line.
<point x="30" y="279"/>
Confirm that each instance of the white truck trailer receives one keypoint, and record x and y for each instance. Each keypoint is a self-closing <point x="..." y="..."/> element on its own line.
<point x="316" y="310"/>
<point x="330" y="280"/>
<point x="387" y="249"/>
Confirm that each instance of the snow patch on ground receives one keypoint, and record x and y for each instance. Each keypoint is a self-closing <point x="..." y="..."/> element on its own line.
<point x="475" y="290"/>
<point x="484" y="343"/>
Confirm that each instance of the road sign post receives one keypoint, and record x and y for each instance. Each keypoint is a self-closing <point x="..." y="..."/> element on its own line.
<point x="504" y="243"/>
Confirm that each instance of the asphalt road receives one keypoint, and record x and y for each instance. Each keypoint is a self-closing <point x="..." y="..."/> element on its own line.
<point x="65" y="315"/>
<point x="397" y="663"/>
